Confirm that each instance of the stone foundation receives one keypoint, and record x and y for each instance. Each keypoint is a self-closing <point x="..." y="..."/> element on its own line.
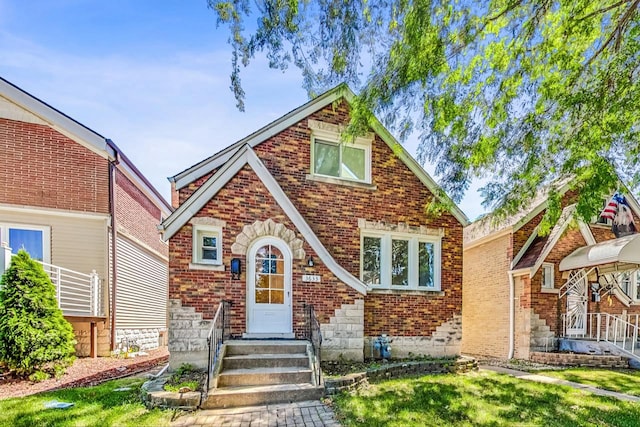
<point x="343" y="336"/>
<point x="445" y="341"/>
<point x="188" y="334"/>
<point x="147" y="339"/>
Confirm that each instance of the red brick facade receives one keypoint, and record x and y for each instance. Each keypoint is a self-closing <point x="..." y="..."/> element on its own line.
<point x="137" y="215"/>
<point x="332" y="211"/>
<point x="41" y="167"/>
<point x="485" y="315"/>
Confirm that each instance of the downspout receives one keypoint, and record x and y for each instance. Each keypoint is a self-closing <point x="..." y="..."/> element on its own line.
<point x="112" y="211"/>
<point x="512" y="315"/>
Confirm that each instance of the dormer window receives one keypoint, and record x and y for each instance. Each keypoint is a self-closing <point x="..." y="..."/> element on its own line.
<point x="333" y="158"/>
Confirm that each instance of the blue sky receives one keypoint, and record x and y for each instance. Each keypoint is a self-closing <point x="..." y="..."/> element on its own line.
<point x="153" y="76"/>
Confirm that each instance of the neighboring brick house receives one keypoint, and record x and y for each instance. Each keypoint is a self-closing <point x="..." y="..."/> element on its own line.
<point x="507" y="261"/>
<point x="313" y="220"/>
<point x="66" y="193"/>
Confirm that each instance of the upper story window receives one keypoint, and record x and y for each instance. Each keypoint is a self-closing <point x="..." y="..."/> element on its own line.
<point x="400" y="261"/>
<point x="601" y="220"/>
<point x="34" y="239"/>
<point x="547" y="276"/>
<point x="333" y="158"/>
<point x="207" y="244"/>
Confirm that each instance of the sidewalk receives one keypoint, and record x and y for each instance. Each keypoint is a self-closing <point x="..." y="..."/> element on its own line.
<point x="312" y="413"/>
<point x="549" y="380"/>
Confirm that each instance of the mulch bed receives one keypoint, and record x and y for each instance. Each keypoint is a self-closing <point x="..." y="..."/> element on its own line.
<point x="86" y="372"/>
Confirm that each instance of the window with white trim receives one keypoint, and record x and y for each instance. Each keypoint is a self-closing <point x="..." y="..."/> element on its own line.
<point x="601" y="220"/>
<point x="400" y="261"/>
<point x="333" y="158"/>
<point x="207" y="244"/>
<point x="629" y="282"/>
<point x="34" y="239"/>
<point x="547" y="276"/>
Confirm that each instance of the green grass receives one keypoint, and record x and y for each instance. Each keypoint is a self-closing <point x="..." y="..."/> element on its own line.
<point x="623" y="381"/>
<point x="479" y="399"/>
<point x="94" y="406"/>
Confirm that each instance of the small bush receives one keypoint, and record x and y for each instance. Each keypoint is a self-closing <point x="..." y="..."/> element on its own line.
<point x="34" y="335"/>
<point x="39" y="376"/>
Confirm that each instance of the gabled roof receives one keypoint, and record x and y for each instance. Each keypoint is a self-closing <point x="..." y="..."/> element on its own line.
<point x="242" y="156"/>
<point x="536" y="249"/>
<point x="212" y="163"/>
<point x="83" y="135"/>
<point x="488" y="227"/>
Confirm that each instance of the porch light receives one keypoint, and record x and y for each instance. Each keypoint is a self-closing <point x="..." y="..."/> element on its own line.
<point x="310" y="262"/>
<point x="235" y="269"/>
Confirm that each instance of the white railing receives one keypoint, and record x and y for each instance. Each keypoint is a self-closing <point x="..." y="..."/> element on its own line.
<point x="78" y="294"/>
<point x="620" y="331"/>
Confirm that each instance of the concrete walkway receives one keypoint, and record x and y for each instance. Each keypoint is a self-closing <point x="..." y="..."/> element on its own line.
<point x="550" y="380"/>
<point x="312" y="413"/>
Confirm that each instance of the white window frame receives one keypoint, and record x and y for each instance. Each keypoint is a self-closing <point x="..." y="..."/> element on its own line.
<point x="634" y="281"/>
<point x="414" y="269"/>
<point x="200" y="231"/>
<point x="46" y="237"/>
<point x="598" y="220"/>
<point x="330" y="134"/>
<point x="547" y="278"/>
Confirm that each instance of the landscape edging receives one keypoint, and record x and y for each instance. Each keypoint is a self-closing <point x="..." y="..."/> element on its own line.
<point x="398" y="370"/>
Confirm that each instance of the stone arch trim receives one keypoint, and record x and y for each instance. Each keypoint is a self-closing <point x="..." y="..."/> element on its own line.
<point x="267" y="228"/>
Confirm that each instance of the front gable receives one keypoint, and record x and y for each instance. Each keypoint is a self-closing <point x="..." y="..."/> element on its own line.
<point x="246" y="156"/>
<point x="291" y="135"/>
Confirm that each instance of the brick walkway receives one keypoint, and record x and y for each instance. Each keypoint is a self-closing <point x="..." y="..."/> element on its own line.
<point x="307" y="414"/>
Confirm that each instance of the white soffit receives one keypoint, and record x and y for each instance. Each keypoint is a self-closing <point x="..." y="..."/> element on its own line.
<point x="624" y="250"/>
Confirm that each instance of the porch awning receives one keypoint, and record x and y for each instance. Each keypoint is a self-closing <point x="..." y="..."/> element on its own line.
<point x="623" y="250"/>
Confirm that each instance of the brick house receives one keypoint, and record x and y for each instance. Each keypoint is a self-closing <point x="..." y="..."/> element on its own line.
<point x="67" y="193"/>
<point x="558" y="285"/>
<point x="315" y="221"/>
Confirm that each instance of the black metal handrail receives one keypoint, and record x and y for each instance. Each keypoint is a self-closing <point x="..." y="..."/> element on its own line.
<point x="313" y="334"/>
<point x="220" y="330"/>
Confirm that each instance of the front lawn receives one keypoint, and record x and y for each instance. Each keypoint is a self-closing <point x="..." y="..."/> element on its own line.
<point x="623" y="381"/>
<point x="479" y="398"/>
<point x="101" y="405"/>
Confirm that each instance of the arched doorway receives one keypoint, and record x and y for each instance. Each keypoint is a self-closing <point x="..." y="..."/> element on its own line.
<point x="269" y="311"/>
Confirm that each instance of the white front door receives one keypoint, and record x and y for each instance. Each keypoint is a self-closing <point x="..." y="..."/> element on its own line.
<point x="269" y="288"/>
<point x="577" y="304"/>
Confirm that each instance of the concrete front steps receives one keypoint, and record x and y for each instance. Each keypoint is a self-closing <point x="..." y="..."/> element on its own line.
<point x="260" y="372"/>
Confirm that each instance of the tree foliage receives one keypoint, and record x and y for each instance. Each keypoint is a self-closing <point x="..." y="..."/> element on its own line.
<point x="34" y="335"/>
<point x="520" y="93"/>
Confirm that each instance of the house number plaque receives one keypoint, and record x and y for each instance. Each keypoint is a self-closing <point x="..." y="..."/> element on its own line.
<point x="311" y="278"/>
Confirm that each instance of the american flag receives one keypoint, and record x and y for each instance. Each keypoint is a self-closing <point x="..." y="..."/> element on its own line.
<point x="618" y="210"/>
<point x="611" y="208"/>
